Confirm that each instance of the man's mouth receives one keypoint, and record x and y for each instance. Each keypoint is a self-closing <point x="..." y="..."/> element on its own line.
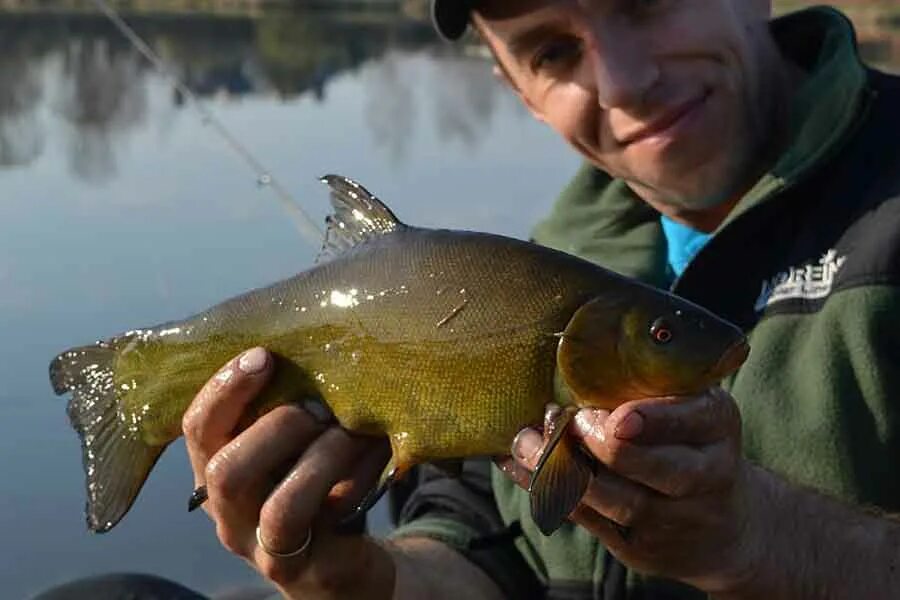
<point x="666" y="125"/>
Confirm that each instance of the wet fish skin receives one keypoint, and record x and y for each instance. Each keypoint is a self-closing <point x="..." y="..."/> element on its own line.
<point x="448" y="342"/>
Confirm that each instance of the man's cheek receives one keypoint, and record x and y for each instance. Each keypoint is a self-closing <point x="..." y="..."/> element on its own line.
<point x="572" y="113"/>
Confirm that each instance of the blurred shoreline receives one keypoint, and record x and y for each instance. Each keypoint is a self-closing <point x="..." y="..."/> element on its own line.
<point x="877" y="21"/>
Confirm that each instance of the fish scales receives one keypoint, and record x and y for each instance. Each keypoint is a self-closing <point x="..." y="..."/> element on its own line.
<point x="436" y="385"/>
<point x="448" y="342"/>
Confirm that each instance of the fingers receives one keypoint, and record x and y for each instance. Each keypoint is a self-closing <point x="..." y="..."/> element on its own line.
<point x="675" y="470"/>
<point x="244" y="471"/>
<point x="676" y="447"/>
<point x="347" y="494"/>
<point x="615" y="498"/>
<point x="211" y="419"/>
<point x="290" y="510"/>
<point x="696" y="420"/>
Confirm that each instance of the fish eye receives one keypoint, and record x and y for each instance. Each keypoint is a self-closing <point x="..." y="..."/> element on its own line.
<point x="661" y="331"/>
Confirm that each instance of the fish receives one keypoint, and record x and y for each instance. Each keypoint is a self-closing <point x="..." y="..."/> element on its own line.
<point x="447" y="342"/>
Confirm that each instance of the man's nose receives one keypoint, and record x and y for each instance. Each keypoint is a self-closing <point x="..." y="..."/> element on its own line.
<point x="623" y="69"/>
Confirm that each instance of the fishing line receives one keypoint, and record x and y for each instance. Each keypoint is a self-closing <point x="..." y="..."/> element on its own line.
<point x="264" y="178"/>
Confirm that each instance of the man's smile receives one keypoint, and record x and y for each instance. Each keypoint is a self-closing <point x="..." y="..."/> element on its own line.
<point x="668" y="126"/>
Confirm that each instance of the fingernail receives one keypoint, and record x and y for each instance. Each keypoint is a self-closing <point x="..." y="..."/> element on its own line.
<point x="526" y="445"/>
<point x="253" y="361"/>
<point x="630" y="427"/>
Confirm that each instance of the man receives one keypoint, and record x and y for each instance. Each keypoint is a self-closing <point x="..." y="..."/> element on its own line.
<point x="750" y="166"/>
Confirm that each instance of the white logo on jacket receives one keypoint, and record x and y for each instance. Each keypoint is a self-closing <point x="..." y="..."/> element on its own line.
<point x="809" y="282"/>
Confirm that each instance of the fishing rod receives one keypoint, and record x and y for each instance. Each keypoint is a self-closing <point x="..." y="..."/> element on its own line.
<point x="308" y="228"/>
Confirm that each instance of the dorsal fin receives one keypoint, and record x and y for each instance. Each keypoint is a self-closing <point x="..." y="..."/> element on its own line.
<point x="358" y="216"/>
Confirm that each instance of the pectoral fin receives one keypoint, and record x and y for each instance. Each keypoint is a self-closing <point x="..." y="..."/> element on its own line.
<point x="560" y="478"/>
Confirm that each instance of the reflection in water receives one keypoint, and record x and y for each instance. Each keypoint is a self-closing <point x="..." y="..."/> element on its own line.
<point x="390" y="107"/>
<point x="21" y="136"/>
<point x="103" y="83"/>
<point x="465" y="99"/>
<point x="102" y="87"/>
<point x="103" y="97"/>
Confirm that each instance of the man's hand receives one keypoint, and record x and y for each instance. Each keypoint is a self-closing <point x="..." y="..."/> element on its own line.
<point x="670" y="471"/>
<point x="292" y="473"/>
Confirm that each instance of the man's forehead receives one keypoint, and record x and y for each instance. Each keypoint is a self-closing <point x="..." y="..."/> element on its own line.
<point x="513" y="14"/>
<point x="510" y="9"/>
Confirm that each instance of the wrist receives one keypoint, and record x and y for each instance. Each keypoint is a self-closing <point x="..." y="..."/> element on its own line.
<point x="361" y="568"/>
<point x="754" y="550"/>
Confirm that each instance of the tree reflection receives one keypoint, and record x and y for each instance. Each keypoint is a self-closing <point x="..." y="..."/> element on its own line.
<point x="390" y="105"/>
<point x="465" y="97"/>
<point x="103" y="97"/>
<point x="102" y="86"/>
<point x="21" y="135"/>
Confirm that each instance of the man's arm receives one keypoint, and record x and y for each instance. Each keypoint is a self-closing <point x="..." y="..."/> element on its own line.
<point x="427" y="568"/>
<point x="817" y="547"/>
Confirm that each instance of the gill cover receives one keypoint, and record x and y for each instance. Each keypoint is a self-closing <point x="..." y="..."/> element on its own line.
<point x="588" y="358"/>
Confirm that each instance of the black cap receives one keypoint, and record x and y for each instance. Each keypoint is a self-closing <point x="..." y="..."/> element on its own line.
<point x="450" y="17"/>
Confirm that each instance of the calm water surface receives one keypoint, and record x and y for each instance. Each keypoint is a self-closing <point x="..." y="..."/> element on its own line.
<point x="120" y="208"/>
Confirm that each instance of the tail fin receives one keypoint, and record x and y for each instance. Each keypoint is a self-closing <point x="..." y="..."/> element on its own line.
<point x="116" y="460"/>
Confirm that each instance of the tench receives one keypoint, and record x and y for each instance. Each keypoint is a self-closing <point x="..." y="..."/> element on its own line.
<point x="447" y="342"/>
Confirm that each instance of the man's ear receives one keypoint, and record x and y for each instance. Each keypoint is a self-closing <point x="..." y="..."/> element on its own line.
<point x="503" y="77"/>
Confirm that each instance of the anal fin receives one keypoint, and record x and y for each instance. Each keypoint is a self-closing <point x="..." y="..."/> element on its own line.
<point x="560" y="478"/>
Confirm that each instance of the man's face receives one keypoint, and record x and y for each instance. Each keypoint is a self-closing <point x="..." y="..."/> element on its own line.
<point x="669" y="95"/>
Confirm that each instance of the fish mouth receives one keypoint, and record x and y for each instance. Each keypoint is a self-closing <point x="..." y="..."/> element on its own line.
<point x="733" y="358"/>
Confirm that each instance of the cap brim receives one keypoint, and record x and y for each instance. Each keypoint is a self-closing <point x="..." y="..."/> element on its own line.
<point x="450" y="18"/>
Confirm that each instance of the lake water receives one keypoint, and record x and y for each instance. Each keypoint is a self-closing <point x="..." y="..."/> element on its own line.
<point x="121" y="207"/>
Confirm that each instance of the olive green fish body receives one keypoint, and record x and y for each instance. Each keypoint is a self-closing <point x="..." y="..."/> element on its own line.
<point x="448" y="342"/>
<point x="442" y="340"/>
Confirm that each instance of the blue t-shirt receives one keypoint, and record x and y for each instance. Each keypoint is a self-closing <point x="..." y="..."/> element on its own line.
<point x="683" y="243"/>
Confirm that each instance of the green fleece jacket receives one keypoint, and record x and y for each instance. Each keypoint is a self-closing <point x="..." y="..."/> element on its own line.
<point x="808" y="263"/>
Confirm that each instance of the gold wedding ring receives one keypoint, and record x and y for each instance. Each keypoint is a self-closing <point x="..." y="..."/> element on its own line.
<point x="296" y="552"/>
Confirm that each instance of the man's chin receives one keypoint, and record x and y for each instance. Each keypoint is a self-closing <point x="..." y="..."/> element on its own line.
<point x="685" y="201"/>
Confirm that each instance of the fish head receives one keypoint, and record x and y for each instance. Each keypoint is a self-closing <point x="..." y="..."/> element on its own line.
<point x="647" y="343"/>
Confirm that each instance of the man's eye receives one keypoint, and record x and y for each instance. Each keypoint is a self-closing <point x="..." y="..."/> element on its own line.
<point x="556" y="55"/>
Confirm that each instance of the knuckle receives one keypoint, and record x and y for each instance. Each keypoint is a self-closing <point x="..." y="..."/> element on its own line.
<point x="289" y="416"/>
<point x="191" y="424"/>
<point x="225" y="484"/>
<point x="628" y="513"/>
<point x="276" y="520"/>
<point x="682" y="485"/>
